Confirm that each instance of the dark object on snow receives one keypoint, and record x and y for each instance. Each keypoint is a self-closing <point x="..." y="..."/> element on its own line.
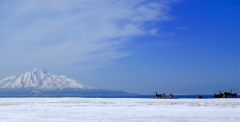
<point x="161" y="96"/>
<point x="199" y="97"/>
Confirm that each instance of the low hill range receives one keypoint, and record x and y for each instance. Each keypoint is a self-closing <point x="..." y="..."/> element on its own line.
<point x="39" y="82"/>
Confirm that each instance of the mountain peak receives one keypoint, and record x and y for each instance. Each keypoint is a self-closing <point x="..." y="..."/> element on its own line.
<point x="41" y="82"/>
<point x="40" y="71"/>
<point x="39" y="79"/>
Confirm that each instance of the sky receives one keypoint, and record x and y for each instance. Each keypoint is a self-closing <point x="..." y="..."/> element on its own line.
<point x="138" y="46"/>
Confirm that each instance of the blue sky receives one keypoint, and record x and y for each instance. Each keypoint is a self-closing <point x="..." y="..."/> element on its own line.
<point x="139" y="46"/>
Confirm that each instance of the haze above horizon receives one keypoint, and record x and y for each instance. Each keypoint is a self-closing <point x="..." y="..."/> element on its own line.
<point x="138" y="46"/>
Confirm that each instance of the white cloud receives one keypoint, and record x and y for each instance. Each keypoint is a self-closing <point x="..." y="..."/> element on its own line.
<point x="63" y="33"/>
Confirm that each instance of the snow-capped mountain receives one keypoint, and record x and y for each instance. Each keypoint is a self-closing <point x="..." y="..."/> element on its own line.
<point x="39" y="82"/>
<point x="39" y="79"/>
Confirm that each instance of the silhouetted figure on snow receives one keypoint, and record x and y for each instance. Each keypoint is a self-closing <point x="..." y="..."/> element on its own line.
<point x="170" y="96"/>
<point x="199" y="97"/>
<point x="220" y="94"/>
<point x="216" y="95"/>
<point x="227" y="94"/>
<point x="161" y="96"/>
<point x="234" y="95"/>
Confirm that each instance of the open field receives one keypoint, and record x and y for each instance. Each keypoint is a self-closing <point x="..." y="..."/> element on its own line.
<point x="118" y="109"/>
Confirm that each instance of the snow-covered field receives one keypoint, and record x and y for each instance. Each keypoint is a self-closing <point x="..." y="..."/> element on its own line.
<point x="118" y="109"/>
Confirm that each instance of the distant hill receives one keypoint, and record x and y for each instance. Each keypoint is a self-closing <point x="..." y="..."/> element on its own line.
<point x="42" y="83"/>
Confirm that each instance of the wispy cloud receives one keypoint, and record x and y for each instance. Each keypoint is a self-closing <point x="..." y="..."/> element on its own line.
<point x="64" y="33"/>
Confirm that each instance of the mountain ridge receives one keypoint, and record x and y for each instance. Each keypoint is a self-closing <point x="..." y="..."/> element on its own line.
<point x="42" y="82"/>
<point x="39" y="79"/>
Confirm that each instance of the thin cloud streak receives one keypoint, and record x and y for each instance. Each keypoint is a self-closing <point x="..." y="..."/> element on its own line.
<point x="64" y="33"/>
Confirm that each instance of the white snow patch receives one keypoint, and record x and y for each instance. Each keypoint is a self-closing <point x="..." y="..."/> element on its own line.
<point x="119" y="109"/>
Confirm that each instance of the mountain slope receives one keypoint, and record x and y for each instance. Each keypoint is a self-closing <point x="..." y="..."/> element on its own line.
<point x="42" y="83"/>
<point x="40" y="79"/>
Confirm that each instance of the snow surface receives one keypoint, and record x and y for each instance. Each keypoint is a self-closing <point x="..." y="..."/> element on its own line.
<point x="119" y="109"/>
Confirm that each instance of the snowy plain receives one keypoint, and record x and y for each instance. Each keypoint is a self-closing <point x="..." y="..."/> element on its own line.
<point x="118" y="109"/>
